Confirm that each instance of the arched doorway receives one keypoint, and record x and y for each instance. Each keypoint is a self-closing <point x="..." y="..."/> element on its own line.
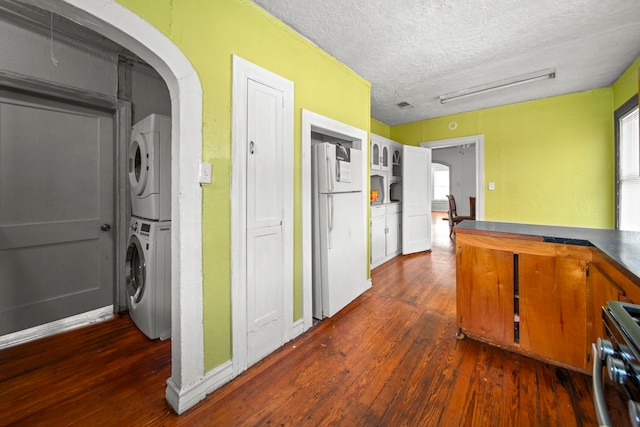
<point x="186" y="385"/>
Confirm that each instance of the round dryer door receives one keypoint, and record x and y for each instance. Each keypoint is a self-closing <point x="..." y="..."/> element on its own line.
<point x="138" y="163"/>
<point x="135" y="270"/>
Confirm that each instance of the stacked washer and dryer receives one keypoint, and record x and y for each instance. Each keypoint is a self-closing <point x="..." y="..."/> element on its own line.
<point x="148" y="262"/>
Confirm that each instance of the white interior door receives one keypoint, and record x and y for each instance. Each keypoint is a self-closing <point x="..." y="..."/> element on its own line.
<point x="56" y="197"/>
<point x="416" y="199"/>
<point x="265" y="245"/>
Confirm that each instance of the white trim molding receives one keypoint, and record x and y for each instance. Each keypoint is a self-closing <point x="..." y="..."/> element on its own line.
<point x="313" y="122"/>
<point x="56" y="327"/>
<point x="243" y="71"/>
<point x="478" y="141"/>
<point x="119" y="24"/>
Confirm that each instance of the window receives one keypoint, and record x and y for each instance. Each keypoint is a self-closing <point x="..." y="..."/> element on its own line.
<point x="627" y="166"/>
<point x="441" y="188"/>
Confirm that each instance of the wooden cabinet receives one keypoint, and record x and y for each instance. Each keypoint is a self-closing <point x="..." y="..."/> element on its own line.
<point x="385" y="233"/>
<point x="523" y="295"/>
<point x="601" y="289"/>
<point x="485" y="293"/>
<point x="553" y="308"/>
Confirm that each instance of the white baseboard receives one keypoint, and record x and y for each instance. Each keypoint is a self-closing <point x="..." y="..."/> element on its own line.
<point x="53" y="328"/>
<point x="298" y="328"/>
<point x="183" y="399"/>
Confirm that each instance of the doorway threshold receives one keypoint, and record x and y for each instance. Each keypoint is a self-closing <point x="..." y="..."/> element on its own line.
<point x="56" y="327"/>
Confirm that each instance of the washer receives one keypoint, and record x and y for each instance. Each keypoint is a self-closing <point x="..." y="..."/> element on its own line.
<point x="148" y="276"/>
<point x="149" y="168"/>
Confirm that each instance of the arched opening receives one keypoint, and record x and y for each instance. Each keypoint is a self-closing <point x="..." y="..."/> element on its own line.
<point x="186" y="385"/>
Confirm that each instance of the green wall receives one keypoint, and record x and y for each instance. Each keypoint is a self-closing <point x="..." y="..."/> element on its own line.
<point x="209" y="33"/>
<point x="380" y="128"/>
<point x="627" y="85"/>
<point x="551" y="159"/>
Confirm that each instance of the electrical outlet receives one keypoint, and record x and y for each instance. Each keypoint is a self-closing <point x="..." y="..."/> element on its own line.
<point x="492" y="186"/>
<point x="205" y="173"/>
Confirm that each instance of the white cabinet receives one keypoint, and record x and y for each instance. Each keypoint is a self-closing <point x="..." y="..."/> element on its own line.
<point x="396" y="160"/>
<point x="393" y="233"/>
<point x="380" y="153"/>
<point x="378" y="239"/>
<point x="375" y="154"/>
<point x="385" y="233"/>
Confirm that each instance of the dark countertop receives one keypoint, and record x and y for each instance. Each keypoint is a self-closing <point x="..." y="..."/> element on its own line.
<point x="623" y="247"/>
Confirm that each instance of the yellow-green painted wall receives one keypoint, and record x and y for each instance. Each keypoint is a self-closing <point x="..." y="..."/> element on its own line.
<point x="209" y="33"/>
<point x="380" y="128"/>
<point x="627" y="85"/>
<point x="552" y="160"/>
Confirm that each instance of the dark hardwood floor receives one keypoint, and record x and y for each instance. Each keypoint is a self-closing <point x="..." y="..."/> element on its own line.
<point x="390" y="358"/>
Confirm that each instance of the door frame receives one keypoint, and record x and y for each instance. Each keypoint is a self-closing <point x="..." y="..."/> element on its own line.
<point x="243" y="71"/>
<point x="120" y="112"/>
<point x="314" y="122"/>
<point x="188" y="384"/>
<point x="478" y="141"/>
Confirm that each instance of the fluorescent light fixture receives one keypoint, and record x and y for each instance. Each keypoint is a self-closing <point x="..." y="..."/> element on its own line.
<point x="504" y="84"/>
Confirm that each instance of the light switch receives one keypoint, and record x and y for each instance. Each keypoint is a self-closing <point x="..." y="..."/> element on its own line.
<point x="205" y="173"/>
<point x="492" y="186"/>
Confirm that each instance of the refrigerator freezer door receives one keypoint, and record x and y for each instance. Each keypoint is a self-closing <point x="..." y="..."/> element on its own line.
<point x="342" y="254"/>
<point x="337" y="176"/>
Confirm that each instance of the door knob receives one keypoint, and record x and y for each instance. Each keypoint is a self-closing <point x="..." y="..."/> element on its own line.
<point x="105" y="227"/>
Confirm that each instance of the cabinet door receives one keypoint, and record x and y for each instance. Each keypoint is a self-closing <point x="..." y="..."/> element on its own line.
<point x="385" y="157"/>
<point x="484" y="287"/>
<point x="553" y="308"/>
<point x="375" y="155"/>
<point x="378" y="237"/>
<point x="396" y="160"/>
<point x="393" y="234"/>
<point x="601" y="290"/>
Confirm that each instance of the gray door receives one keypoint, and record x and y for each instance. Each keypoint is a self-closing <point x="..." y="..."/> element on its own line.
<point x="56" y="210"/>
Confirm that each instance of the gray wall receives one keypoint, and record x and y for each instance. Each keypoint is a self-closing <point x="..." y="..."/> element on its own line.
<point x="462" y="161"/>
<point x="29" y="53"/>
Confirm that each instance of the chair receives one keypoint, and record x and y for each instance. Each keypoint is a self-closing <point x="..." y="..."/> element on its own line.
<point x="454" y="218"/>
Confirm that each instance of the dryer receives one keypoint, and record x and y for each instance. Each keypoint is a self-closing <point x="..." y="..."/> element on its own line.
<point x="149" y="168"/>
<point x="148" y="276"/>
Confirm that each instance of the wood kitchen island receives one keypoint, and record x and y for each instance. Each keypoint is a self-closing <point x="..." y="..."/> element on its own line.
<point x="538" y="290"/>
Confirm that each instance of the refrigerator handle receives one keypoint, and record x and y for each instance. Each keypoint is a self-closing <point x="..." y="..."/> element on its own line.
<point x="329" y="175"/>
<point x="330" y="215"/>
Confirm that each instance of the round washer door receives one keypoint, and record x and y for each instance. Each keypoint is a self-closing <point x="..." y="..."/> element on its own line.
<point x="138" y="163"/>
<point x="135" y="270"/>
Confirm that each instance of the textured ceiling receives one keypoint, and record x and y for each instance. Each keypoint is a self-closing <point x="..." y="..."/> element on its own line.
<point x="416" y="50"/>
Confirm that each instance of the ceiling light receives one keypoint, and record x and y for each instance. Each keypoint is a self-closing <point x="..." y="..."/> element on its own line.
<point x="504" y="84"/>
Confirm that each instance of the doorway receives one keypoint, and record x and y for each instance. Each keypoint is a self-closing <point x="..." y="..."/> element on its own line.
<point x="316" y="123"/>
<point x="476" y="142"/>
<point x="187" y="384"/>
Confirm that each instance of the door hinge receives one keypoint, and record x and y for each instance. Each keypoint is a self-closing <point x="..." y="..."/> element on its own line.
<point x="586" y="269"/>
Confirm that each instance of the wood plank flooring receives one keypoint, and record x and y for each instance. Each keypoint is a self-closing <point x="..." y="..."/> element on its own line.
<point x="390" y="358"/>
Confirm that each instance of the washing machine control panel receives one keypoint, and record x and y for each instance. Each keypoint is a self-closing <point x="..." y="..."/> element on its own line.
<point x="141" y="228"/>
<point x="144" y="229"/>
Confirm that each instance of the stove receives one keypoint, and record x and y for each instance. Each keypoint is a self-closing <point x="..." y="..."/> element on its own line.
<point x="619" y="351"/>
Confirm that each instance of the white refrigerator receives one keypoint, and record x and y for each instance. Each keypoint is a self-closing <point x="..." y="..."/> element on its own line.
<point x="339" y="232"/>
